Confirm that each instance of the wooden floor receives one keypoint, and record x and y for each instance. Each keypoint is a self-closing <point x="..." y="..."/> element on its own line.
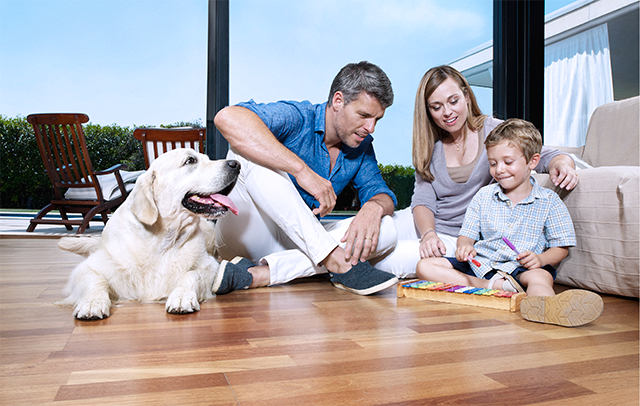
<point x="306" y="343"/>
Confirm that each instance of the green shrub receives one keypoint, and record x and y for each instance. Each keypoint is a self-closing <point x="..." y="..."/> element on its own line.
<point x="400" y="180"/>
<point x="112" y="145"/>
<point x="24" y="183"/>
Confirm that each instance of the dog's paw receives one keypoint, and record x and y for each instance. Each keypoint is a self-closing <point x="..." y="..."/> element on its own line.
<point x="92" y="310"/>
<point x="187" y="302"/>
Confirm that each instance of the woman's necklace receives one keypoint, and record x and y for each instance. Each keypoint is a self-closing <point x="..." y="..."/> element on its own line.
<point x="458" y="144"/>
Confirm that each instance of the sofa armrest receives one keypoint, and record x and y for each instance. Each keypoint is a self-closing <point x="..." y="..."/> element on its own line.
<point x="604" y="208"/>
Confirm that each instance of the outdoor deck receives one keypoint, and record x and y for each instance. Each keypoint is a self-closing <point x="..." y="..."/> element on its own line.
<point x="305" y="343"/>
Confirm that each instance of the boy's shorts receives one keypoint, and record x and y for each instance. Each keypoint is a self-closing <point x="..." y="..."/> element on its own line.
<point x="465" y="268"/>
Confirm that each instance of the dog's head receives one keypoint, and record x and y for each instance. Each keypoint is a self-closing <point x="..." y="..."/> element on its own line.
<point x="183" y="181"/>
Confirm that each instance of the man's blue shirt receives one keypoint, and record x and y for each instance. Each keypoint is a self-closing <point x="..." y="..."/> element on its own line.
<point x="300" y="127"/>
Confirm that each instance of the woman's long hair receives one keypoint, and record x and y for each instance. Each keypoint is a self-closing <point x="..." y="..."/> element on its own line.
<point x="425" y="131"/>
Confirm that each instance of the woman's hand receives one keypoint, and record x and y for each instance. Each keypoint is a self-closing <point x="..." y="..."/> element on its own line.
<point x="562" y="172"/>
<point x="431" y="246"/>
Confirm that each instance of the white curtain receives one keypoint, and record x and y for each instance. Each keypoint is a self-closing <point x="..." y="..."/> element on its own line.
<point x="577" y="79"/>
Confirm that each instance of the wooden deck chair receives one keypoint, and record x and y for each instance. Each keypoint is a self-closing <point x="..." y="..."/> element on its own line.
<point x="66" y="160"/>
<point x="157" y="141"/>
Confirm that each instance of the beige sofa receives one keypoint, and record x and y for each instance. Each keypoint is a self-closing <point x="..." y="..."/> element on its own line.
<point x="604" y="206"/>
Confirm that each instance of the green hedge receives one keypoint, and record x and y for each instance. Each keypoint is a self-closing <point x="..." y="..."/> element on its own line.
<point x="24" y="184"/>
<point x="400" y="180"/>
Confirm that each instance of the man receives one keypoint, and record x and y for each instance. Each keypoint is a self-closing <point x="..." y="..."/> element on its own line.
<point x="296" y="157"/>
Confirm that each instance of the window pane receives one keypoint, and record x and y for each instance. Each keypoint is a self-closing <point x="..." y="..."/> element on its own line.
<point x="291" y="49"/>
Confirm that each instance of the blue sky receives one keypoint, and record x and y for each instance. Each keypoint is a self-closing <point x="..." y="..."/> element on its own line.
<point x="143" y="62"/>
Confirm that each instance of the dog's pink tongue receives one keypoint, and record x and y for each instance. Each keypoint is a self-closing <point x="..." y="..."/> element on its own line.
<point x="225" y="201"/>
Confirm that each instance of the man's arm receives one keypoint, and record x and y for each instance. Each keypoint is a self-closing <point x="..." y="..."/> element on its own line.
<point x="250" y="137"/>
<point x="362" y="235"/>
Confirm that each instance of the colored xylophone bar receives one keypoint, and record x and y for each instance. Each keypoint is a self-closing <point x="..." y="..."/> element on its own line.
<point x="457" y="294"/>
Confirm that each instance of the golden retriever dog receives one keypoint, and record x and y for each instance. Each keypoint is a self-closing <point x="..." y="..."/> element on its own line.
<point x="158" y="244"/>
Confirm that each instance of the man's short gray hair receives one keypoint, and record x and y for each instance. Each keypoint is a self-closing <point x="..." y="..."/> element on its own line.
<point x="356" y="78"/>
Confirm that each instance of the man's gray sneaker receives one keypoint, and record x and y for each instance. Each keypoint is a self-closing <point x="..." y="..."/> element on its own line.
<point x="232" y="275"/>
<point x="363" y="279"/>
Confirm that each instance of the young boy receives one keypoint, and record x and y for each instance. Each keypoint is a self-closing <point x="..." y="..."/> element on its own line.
<point x="538" y="231"/>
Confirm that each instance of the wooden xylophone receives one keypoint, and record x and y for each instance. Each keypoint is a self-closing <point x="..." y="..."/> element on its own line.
<point x="457" y="294"/>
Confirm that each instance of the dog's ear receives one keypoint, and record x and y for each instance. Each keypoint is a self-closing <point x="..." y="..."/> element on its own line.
<point x="144" y="204"/>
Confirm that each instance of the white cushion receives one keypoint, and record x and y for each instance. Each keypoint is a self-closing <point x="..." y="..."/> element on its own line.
<point x="108" y="185"/>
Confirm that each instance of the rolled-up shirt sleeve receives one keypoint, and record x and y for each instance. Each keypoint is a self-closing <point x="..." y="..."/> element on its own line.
<point x="282" y="119"/>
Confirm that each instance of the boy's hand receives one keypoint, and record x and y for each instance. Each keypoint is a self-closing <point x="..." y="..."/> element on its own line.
<point x="529" y="260"/>
<point x="464" y="251"/>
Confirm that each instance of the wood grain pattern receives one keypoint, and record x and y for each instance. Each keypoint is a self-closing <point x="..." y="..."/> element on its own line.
<point x="304" y="343"/>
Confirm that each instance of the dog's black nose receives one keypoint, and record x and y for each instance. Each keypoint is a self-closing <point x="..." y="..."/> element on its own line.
<point x="233" y="164"/>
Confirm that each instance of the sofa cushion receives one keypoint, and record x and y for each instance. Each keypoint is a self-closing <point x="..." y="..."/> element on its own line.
<point x="604" y="209"/>
<point x="612" y="138"/>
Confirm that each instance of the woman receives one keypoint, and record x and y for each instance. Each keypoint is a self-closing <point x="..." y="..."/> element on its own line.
<point x="451" y="166"/>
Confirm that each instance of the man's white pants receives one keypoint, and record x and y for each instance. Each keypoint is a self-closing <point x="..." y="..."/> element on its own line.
<point x="403" y="259"/>
<point x="275" y="227"/>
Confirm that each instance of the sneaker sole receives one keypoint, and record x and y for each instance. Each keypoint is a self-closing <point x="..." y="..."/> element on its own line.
<point x="570" y="308"/>
<point x="371" y="290"/>
<point x="219" y="276"/>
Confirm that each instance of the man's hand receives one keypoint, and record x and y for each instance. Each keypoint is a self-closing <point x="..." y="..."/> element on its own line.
<point x="362" y="235"/>
<point x="318" y="187"/>
<point x="562" y="172"/>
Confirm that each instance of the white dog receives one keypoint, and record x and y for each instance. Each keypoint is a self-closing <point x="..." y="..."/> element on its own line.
<point x="157" y="245"/>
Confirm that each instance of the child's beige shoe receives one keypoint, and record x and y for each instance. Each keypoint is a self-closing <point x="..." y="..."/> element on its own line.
<point x="570" y="308"/>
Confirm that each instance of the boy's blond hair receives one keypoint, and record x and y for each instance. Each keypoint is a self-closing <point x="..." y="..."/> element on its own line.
<point x="518" y="133"/>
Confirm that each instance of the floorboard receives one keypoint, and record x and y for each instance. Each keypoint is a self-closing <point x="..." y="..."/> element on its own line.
<point x="304" y="343"/>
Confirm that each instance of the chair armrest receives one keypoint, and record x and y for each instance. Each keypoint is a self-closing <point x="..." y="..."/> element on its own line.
<point x="115" y="169"/>
<point x="112" y="169"/>
<point x="605" y="209"/>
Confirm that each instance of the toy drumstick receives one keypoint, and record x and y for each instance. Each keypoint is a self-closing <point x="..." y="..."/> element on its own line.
<point x="476" y="263"/>
<point x="510" y="245"/>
